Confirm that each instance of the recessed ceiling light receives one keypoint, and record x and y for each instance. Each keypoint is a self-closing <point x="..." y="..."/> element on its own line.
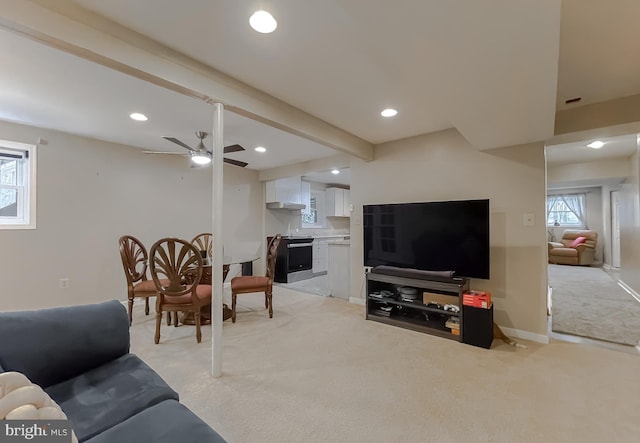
<point x="137" y="116"/>
<point x="260" y="149"/>
<point x="335" y="172"/>
<point x="596" y="144"/>
<point x="263" y="22"/>
<point x="389" y="112"/>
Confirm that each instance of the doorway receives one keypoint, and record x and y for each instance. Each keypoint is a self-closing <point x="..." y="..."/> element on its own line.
<point x="586" y="301"/>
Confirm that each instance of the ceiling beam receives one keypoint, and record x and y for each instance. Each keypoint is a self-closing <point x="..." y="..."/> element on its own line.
<point x="304" y="168"/>
<point x="72" y="29"/>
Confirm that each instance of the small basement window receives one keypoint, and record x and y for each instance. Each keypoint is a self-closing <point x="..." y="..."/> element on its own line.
<point x="314" y="215"/>
<point x="566" y="210"/>
<point x="17" y="185"/>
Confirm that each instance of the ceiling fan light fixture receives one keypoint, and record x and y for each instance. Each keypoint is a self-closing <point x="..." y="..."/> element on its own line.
<point x="200" y="158"/>
<point x="260" y="149"/>
<point x="263" y="22"/>
<point x="335" y="171"/>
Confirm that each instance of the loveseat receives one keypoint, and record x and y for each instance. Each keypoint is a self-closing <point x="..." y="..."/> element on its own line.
<point x="80" y="356"/>
<point x="577" y="247"/>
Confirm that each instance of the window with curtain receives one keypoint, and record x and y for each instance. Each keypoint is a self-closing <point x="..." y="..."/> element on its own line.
<point x="566" y="210"/>
<point x="17" y="185"/>
<point x="314" y="215"/>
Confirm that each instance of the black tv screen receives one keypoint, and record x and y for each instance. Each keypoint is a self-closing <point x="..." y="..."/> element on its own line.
<point x="430" y="236"/>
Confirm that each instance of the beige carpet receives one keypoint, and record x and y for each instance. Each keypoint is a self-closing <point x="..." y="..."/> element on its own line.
<point x="588" y="302"/>
<point x="317" y="285"/>
<point x="319" y="372"/>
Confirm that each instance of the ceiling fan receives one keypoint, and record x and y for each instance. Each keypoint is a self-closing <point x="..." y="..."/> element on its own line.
<point x="200" y="154"/>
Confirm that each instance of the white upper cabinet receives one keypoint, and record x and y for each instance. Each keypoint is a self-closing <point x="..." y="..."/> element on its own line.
<point x="338" y="202"/>
<point x="285" y="193"/>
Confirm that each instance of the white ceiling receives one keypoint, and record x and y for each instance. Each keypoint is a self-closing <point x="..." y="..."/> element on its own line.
<point x="49" y="88"/>
<point x="490" y="69"/>
<point x="599" y="47"/>
<point x="440" y="63"/>
<point x="614" y="147"/>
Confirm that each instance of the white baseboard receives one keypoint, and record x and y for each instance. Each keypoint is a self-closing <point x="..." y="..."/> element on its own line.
<point x="356" y="301"/>
<point x="629" y="289"/>
<point x="525" y="335"/>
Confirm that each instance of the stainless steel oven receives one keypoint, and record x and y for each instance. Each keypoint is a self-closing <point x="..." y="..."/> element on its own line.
<point x="295" y="260"/>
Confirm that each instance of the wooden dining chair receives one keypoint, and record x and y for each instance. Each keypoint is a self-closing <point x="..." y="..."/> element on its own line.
<point x="134" y="260"/>
<point x="247" y="284"/>
<point x="202" y="242"/>
<point x="176" y="270"/>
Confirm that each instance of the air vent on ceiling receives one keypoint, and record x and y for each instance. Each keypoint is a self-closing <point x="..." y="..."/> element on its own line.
<point x="573" y="100"/>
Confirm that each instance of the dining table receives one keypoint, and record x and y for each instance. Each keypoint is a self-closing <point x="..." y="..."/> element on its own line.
<point x="245" y="260"/>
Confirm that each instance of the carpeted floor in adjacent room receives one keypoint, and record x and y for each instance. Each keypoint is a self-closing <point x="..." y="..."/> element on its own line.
<point x="319" y="372"/>
<point x="588" y="302"/>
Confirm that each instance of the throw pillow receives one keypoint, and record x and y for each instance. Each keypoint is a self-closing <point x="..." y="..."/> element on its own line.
<point x="577" y="241"/>
<point x="22" y="400"/>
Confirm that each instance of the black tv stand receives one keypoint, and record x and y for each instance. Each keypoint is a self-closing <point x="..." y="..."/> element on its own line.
<point x="415" y="314"/>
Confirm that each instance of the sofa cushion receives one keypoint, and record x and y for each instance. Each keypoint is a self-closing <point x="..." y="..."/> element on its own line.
<point x="105" y="396"/>
<point x="166" y="422"/>
<point x="577" y="241"/>
<point x="565" y="252"/>
<point x="56" y="344"/>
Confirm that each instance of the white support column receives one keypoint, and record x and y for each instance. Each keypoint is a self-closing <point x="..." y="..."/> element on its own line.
<point x="217" y="288"/>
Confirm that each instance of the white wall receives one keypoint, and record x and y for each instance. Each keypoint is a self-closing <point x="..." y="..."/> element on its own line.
<point x="443" y="166"/>
<point x="92" y="192"/>
<point x="579" y="172"/>
<point x="630" y="227"/>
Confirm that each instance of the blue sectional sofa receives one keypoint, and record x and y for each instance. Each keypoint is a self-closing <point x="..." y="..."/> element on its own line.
<point x="80" y="356"/>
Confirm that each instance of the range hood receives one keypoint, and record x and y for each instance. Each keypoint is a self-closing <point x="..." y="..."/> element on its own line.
<point x="286" y="194"/>
<point x="286" y="206"/>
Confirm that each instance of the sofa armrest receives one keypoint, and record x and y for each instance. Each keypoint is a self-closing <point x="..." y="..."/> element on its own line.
<point x="53" y="345"/>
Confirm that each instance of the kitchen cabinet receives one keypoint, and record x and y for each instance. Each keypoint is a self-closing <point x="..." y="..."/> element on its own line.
<point x="320" y="256"/>
<point x="338" y="202"/>
<point x="285" y="193"/>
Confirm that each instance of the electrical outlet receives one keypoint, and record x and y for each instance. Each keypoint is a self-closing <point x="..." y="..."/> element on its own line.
<point x="64" y="283"/>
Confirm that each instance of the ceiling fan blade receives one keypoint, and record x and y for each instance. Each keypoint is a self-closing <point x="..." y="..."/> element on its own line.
<point x="233" y="148"/>
<point x="163" y="153"/>
<point x="178" y="142"/>
<point x="235" y="162"/>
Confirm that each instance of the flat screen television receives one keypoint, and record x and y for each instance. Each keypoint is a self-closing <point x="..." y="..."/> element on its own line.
<point x="430" y="236"/>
